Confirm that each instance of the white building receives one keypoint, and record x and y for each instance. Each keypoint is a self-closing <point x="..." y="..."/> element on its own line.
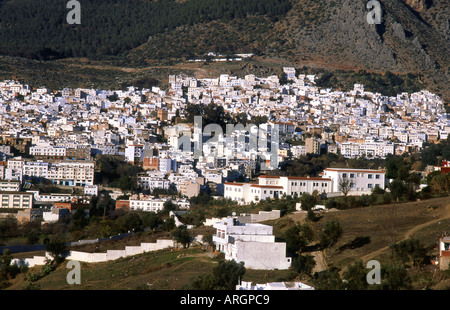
<point x="275" y="187"/>
<point x="274" y="286"/>
<point x="362" y="180"/>
<point x="149" y="204"/>
<point x="91" y="190"/>
<point x="253" y="244"/>
<point x="48" y="151"/>
<point x="71" y="173"/>
<point x="9" y="186"/>
<point x="148" y="182"/>
<point x="16" y="200"/>
<point x="368" y="149"/>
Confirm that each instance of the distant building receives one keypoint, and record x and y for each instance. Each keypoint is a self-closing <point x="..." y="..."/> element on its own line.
<point x="16" y="200"/>
<point x="91" y="190"/>
<point x="9" y="185"/>
<point x="312" y="146"/>
<point x="29" y="215"/>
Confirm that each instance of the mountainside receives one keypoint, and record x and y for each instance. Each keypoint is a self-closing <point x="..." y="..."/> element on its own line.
<point x="414" y="36"/>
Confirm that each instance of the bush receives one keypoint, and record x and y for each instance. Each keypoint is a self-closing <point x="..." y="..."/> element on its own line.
<point x="225" y="276"/>
<point x="303" y="264"/>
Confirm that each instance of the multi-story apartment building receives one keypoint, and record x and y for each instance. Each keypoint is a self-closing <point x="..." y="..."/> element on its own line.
<point x="312" y="146"/>
<point x="71" y="173"/>
<point x="16" y="200"/>
<point x="9" y="186"/>
<point x="147" y="182"/>
<point x="368" y="149"/>
<point x="149" y="204"/>
<point x="48" y="151"/>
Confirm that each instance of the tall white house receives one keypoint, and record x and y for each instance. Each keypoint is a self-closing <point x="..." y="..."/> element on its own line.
<point x="362" y="180"/>
<point x="254" y="244"/>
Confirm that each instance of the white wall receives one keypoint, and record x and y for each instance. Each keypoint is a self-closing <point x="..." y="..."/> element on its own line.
<point x="262" y="255"/>
<point x="100" y="257"/>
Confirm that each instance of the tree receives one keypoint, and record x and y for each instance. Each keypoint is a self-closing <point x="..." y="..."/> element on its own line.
<point x="181" y="235"/>
<point x="100" y="206"/>
<point x="330" y="234"/>
<point x="397" y="189"/>
<point x="168" y="224"/>
<point x="345" y="185"/>
<point x="130" y="222"/>
<point x="127" y="184"/>
<point x="225" y="276"/>
<point x="303" y="264"/>
<point x="440" y="184"/>
<point x="150" y="219"/>
<point x="169" y="206"/>
<point x="57" y="247"/>
<point x="308" y="201"/>
<point x="410" y="250"/>
<point x="395" y="278"/>
<point x="393" y="165"/>
<point x="356" y="276"/>
<point x="79" y="220"/>
<point x="328" y="279"/>
<point x="297" y="237"/>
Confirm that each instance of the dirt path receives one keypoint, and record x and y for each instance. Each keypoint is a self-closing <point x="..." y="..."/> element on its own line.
<point x="409" y="233"/>
<point x="321" y="263"/>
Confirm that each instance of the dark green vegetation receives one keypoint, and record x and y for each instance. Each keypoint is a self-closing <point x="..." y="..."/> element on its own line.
<point x="38" y="29"/>
<point x="388" y="84"/>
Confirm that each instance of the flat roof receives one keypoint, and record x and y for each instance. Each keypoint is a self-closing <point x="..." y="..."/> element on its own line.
<point x="354" y="170"/>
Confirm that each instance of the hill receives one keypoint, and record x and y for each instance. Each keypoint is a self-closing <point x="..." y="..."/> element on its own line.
<point x="367" y="232"/>
<point x="133" y="36"/>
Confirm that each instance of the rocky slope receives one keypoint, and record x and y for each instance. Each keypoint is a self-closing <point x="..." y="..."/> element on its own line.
<point x="412" y="38"/>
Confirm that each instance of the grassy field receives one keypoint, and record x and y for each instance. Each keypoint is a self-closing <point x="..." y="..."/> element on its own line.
<point x="367" y="234"/>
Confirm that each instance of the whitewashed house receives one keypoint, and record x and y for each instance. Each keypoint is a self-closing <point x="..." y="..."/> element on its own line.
<point x="251" y="243"/>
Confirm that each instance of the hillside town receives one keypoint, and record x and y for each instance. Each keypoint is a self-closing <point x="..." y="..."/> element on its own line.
<point x="57" y="137"/>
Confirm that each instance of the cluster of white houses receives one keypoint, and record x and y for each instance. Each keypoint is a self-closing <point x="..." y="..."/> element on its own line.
<point x="361" y="181"/>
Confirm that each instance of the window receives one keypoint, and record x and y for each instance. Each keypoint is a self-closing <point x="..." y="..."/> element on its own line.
<point x="377" y="176"/>
<point x="344" y="175"/>
<point x="369" y="185"/>
<point x="369" y="176"/>
<point x="352" y="175"/>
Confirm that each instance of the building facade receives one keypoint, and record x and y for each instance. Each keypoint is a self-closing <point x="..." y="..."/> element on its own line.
<point x="272" y="187"/>
<point x="250" y="243"/>
<point x="362" y="181"/>
<point x="16" y="200"/>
